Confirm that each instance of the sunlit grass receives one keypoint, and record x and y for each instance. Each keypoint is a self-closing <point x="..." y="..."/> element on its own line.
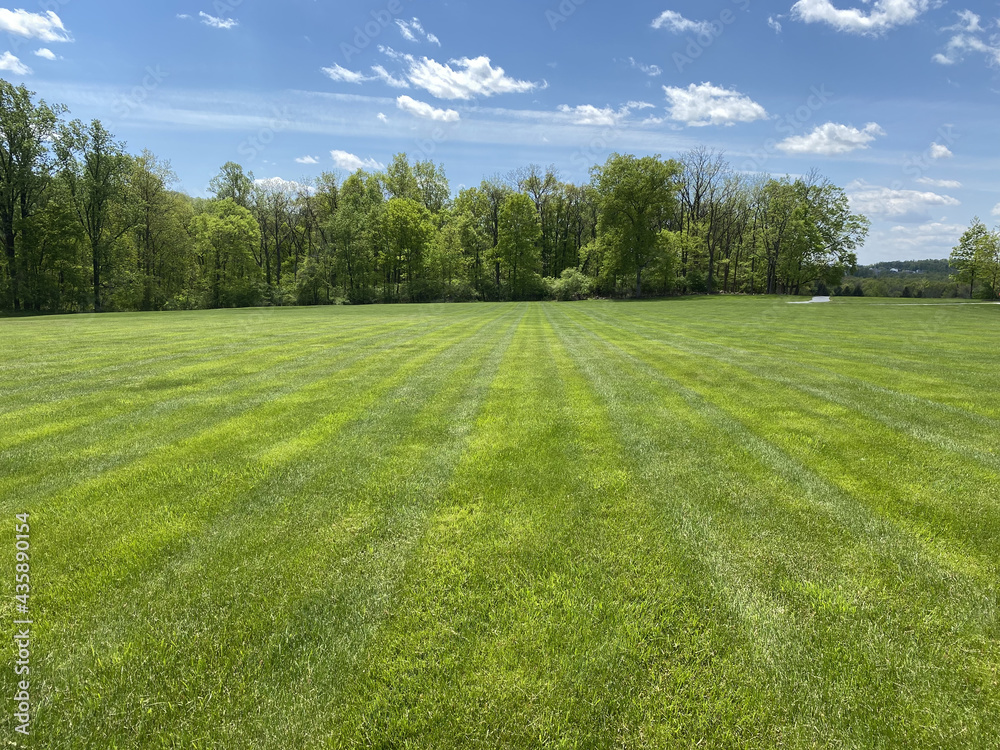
<point x="695" y="523"/>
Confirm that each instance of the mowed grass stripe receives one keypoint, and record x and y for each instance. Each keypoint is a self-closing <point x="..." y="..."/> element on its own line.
<point x="130" y="519"/>
<point x="892" y="627"/>
<point x="83" y="389"/>
<point x="912" y="480"/>
<point x="137" y="426"/>
<point x="757" y="347"/>
<point x="961" y="339"/>
<point x="545" y="613"/>
<point x="282" y="618"/>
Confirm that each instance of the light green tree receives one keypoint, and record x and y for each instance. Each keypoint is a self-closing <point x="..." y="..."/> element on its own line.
<point x="976" y="258"/>
<point x="224" y="236"/>
<point x="518" y="248"/>
<point x="447" y="264"/>
<point x="407" y="233"/>
<point x="233" y="182"/>
<point x="638" y="200"/>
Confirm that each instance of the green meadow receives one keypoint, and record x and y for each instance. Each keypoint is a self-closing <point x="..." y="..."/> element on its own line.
<point x="704" y="523"/>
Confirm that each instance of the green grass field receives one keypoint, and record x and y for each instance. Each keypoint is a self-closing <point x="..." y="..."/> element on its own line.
<point x="696" y="523"/>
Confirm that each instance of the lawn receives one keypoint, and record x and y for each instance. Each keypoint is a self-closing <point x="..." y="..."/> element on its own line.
<point x="693" y="523"/>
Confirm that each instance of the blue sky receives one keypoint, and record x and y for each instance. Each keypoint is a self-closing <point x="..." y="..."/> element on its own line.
<point x="894" y="100"/>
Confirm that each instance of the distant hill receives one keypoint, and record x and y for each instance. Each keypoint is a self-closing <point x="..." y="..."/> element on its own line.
<point x="904" y="278"/>
<point x="931" y="269"/>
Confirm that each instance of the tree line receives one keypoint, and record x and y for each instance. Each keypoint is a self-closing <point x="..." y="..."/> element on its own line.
<point x="88" y="226"/>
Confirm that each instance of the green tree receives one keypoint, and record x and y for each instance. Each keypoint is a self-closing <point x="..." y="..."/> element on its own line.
<point x="432" y="186"/>
<point x="354" y="232"/>
<point x="400" y="181"/>
<point x="233" y="182"/>
<point x="157" y="229"/>
<point x="518" y="247"/>
<point x="26" y="129"/>
<point x="94" y="168"/>
<point x="52" y="254"/>
<point x="638" y="198"/>
<point x="975" y="257"/>
<point x="407" y="233"/>
<point x="224" y="236"/>
<point x="480" y="234"/>
<point x="447" y="263"/>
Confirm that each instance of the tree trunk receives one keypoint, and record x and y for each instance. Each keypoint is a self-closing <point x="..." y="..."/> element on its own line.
<point x="10" y="245"/>
<point x="96" y="254"/>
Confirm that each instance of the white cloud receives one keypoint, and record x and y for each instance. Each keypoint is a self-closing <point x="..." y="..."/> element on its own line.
<point x="996" y="210"/>
<point x="384" y="75"/>
<point x="937" y="151"/>
<point x="426" y="111"/>
<point x="218" y="23"/>
<point x="458" y="79"/>
<point x="884" y="15"/>
<point x="47" y="27"/>
<point x="890" y="202"/>
<point x="774" y="23"/>
<point x="46" y="54"/>
<point x="382" y="118"/>
<point x="832" y="139"/>
<point x="307" y="160"/>
<point x="968" y="22"/>
<point x="339" y="73"/>
<point x="704" y="104"/>
<point x="588" y="114"/>
<point x="925" y="240"/>
<point x="11" y="64"/>
<point x="351" y="163"/>
<point x="413" y="31"/>
<point x="404" y="29"/>
<point x="674" y="22"/>
<point x="651" y="70"/>
<point x="469" y="78"/>
<point x="968" y="40"/>
<point x="946" y="184"/>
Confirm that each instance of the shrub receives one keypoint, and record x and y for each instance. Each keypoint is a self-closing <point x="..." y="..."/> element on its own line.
<point x="572" y="284"/>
